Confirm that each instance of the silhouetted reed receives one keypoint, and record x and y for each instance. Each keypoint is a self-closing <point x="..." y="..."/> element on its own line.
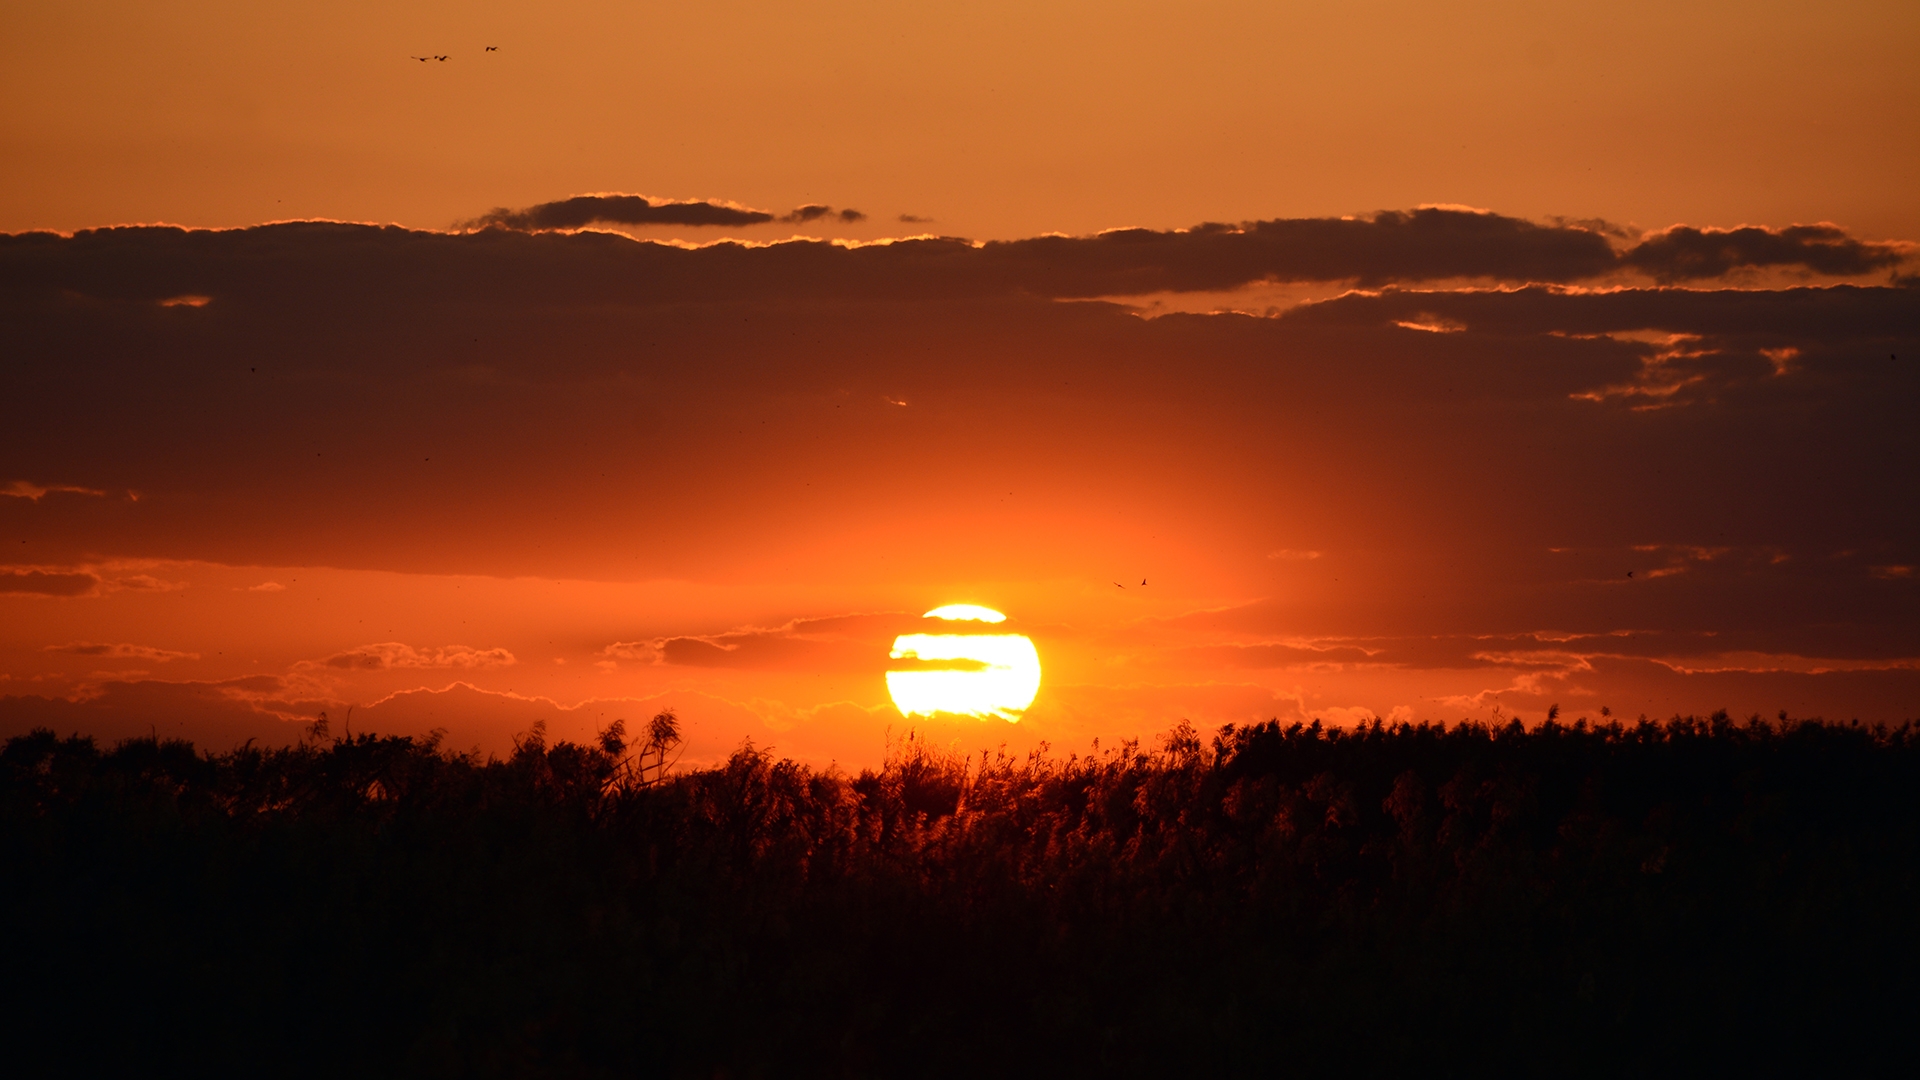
<point x="1567" y="899"/>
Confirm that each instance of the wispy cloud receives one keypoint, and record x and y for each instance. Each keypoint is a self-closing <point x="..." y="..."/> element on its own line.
<point x="122" y="651"/>
<point x="84" y="580"/>
<point x="834" y="642"/>
<point x="389" y="655"/>
<point x="643" y="652"/>
<point x="48" y="582"/>
<point x="21" y="489"/>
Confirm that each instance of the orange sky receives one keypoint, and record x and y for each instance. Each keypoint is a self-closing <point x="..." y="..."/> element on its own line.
<point x="992" y="119"/>
<point x="1395" y="465"/>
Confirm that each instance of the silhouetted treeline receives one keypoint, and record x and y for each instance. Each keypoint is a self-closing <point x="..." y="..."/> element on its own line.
<point x="1703" y="896"/>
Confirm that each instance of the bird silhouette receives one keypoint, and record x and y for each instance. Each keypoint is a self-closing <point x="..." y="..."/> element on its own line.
<point x="1143" y="581"/>
<point x="1629" y="573"/>
<point x="439" y="58"/>
<point x="422" y="59"/>
<point x="1117" y="585"/>
<point x="493" y="48"/>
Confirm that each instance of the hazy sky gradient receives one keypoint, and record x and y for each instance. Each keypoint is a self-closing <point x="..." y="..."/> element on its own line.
<point x="991" y="119"/>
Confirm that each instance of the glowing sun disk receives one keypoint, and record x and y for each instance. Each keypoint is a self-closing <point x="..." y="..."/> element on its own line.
<point x="985" y="674"/>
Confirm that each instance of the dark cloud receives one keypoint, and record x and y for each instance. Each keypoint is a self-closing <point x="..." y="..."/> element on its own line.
<point x="1687" y="346"/>
<point x="1428" y="244"/>
<point x="836" y="643"/>
<point x="47" y="583"/>
<point x="583" y="210"/>
<point x="1743" y="647"/>
<point x="586" y="405"/>
<point x="816" y="211"/>
<point x="1414" y="245"/>
<point x="122" y="651"/>
<point x="696" y="652"/>
<point x="381" y="268"/>
<point x="1273" y="655"/>
<point x="1684" y="253"/>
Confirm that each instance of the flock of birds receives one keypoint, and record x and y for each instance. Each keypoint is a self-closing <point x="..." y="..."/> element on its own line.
<point x="443" y="59"/>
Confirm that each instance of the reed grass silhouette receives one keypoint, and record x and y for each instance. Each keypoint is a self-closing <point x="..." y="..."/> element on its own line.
<point x="1260" y="900"/>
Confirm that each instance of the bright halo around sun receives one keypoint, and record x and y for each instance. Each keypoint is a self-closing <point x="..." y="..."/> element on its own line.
<point x="965" y="674"/>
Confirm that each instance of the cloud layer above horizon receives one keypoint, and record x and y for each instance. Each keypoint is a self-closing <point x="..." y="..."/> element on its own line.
<point x="1389" y="247"/>
<point x="1496" y="462"/>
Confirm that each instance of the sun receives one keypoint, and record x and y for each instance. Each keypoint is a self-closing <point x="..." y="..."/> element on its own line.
<point x="965" y="674"/>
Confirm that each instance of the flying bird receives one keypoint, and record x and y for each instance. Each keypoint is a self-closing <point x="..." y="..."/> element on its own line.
<point x="1117" y="585"/>
<point x="493" y="48"/>
<point x="422" y="59"/>
<point x="1629" y="573"/>
<point x="439" y="58"/>
<point x="1143" y="581"/>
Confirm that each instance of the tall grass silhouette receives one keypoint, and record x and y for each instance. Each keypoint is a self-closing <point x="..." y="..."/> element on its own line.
<point x="1260" y="900"/>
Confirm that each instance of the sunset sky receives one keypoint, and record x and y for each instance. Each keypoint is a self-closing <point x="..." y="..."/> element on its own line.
<point x="1413" y="361"/>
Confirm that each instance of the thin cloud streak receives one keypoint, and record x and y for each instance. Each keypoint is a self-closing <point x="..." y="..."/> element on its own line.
<point x="583" y="210"/>
<point x="21" y="489"/>
<point x="390" y="655"/>
<point x="122" y="651"/>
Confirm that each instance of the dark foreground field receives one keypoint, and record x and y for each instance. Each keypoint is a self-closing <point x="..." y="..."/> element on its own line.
<point x="1701" y="896"/>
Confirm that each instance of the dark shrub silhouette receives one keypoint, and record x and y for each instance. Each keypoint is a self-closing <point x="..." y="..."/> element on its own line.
<point x="1569" y="900"/>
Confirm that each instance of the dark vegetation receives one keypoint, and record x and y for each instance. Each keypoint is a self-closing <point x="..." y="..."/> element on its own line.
<point x="1713" y="897"/>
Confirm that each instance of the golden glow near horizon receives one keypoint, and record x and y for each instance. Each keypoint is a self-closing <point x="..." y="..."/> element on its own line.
<point x="979" y="675"/>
